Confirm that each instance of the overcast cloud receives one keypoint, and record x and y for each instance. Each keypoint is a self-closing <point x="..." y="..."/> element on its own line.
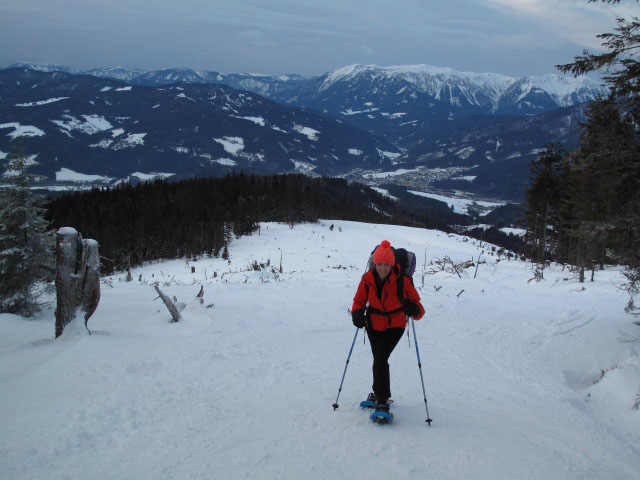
<point x="514" y="37"/>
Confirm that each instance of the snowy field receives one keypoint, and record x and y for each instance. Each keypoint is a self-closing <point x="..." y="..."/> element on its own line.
<point x="524" y="380"/>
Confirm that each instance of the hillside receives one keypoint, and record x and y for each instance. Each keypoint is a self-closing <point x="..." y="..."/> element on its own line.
<point x="524" y="380"/>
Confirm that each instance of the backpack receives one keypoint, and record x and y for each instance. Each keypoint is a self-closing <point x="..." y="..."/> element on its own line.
<point x="405" y="266"/>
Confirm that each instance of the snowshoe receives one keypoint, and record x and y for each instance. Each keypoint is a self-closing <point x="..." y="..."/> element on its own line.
<point x="370" y="402"/>
<point x="382" y="414"/>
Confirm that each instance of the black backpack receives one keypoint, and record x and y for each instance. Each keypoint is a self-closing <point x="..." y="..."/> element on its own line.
<point x="405" y="266"/>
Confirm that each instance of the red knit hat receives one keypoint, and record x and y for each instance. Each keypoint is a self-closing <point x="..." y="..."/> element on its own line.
<point x="384" y="254"/>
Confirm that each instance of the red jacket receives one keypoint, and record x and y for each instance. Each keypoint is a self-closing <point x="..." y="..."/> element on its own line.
<point x="388" y="301"/>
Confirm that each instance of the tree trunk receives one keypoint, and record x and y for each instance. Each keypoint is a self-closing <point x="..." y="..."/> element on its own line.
<point x="175" y="314"/>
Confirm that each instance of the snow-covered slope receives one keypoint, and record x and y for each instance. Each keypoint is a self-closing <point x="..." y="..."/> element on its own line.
<point x="524" y="380"/>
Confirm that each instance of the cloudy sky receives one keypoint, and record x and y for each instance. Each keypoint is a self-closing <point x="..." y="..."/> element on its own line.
<point x="513" y="37"/>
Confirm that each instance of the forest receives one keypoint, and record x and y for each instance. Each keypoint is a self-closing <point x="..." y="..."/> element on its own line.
<point x="583" y="205"/>
<point x="187" y="218"/>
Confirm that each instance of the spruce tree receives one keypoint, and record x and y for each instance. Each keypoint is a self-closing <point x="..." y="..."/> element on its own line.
<point x="26" y="248"/>
<point x="543" y="196"/>
<point x="608" y="160"/>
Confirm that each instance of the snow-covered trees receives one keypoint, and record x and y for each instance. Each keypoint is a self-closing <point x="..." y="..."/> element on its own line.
<point x="26" y="249"/>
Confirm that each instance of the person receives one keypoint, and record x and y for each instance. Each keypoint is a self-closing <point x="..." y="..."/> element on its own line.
<point x="377" y="308"/>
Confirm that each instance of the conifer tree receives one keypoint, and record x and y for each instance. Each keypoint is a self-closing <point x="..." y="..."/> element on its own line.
<point x="607" y="168"/>
<point x="543" y="199"/>
<point x="26" y="248"/>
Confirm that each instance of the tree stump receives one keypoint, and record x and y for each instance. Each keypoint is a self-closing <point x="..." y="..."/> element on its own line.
<point x="77" y="278"/>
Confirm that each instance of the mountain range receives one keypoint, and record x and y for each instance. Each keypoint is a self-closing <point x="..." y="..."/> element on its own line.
<point x="353" y="119"/>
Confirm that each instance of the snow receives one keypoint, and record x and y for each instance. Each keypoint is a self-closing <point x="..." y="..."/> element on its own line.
<point x="232" y="145"/>
<point x="256" y="120"/>
<point x="304" y="167"/>
<point x="67" y="231"/>
<point x="350" y="111"/>
<point x="460" y="205"/>
<point x="466" y="178"/>
<point x="104" y="143"/>
<point x="28" y="162"/>
<point x="309" y="132"/>
<point x="22" y="130"/>
<point x="519" y="232"/>
<point x="124" y="89"/>
<point x="465" y="153"/>
<point x="227" y="162"/>
<point x="182" y="95"/>
<point x="41" y="102"/>
<point x="475" y="88"/>
<point x="384" y="192"/>
<point x="130" y="141"/>
<point x="68" y="175"/>
<point x="244" y="389"/>
<point x="151" y="176"/>
<point x="395" y="173"/>
<point x="91" y="124"/>
<point x="562" y="87"/>
<point x="390" y="155"/>
<point x="355" y="151"/>
<point x="105" y="89"/>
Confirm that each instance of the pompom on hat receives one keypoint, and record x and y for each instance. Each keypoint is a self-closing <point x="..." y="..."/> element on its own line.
<point x="384" y="254"/>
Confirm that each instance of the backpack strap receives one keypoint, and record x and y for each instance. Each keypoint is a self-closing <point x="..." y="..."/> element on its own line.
<point x="400" y="291"/>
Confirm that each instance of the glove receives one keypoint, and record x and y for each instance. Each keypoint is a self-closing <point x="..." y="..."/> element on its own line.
<point x="359" y="318"/>
<point x="411" y="309"/>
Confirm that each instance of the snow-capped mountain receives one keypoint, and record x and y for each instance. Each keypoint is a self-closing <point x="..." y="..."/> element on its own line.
<point x="41" y="66"/>
<point x="545" y="92"/>
<point x="265" y="85"/>
<point x="442" y="83"/>
<point x="460" y="91"/>
<point x="107" y="130"/>
<point x="430" y="113"/>
<point x="117" y="73"/>
<point x="404" y="102"/>
<point x="168" y="76"/>
<point x="468" y="89"/>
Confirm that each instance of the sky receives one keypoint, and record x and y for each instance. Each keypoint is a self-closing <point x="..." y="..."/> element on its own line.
<point x="311" y="37"/>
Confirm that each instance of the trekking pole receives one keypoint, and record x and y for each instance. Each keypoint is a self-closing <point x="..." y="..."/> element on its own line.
<point x="335" y="405"/>
<point x="415" y="341"/>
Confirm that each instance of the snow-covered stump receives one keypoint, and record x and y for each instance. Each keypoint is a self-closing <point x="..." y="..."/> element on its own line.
<point x="77" y="278"/>
<point x="91" y="281"/>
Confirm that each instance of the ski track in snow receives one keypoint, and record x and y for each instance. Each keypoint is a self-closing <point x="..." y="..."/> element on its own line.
<point x="243" y="390"/>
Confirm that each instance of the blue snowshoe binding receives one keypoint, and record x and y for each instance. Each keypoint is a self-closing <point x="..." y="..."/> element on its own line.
<point x="382" y="414"/>
<point x="370" y="402"/>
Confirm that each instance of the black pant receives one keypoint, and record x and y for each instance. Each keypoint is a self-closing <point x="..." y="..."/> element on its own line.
<point x="382" y="344"/>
